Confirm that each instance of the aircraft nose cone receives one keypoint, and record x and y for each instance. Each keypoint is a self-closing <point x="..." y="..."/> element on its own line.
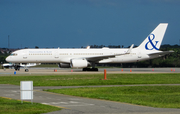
<point x="8" y="59"/>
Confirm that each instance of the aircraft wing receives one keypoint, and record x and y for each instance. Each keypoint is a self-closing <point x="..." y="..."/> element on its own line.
<point x="161" y="53"/>
<point x="98" y="58"/>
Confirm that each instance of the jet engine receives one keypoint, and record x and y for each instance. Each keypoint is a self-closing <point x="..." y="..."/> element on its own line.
<point x="64" y="65"/>
<point x="79" y="63"/>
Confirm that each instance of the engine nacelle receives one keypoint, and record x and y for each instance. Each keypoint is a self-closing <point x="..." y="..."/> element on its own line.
<point x="64" y="65"/>
<point x="79" y="63"/>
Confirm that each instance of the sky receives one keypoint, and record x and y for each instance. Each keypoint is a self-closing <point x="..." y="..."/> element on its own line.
<point x="76" y="23"/>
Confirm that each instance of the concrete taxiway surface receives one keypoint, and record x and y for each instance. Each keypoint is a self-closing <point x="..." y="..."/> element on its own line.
<point x="78" y="105"/>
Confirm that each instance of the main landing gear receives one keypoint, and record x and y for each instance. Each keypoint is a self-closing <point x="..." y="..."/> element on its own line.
<point x="90" y="69"/>
<point x="26" y="70"/>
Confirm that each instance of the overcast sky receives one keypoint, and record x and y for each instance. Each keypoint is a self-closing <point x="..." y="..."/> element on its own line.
<point x="76" y="23"/>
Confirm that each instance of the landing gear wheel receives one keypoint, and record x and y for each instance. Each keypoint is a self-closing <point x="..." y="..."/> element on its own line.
<point x="26" y="70"/>
<point x="84" y="69"/>
<point x="90" y="69"/>
<point x="94" y="69"/>
<point x="16" y="68"/>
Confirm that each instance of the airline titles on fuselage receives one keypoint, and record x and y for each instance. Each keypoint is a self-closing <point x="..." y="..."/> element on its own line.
<point x="40" y="52"/>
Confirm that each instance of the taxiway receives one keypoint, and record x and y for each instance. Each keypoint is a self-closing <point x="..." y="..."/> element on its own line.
<point x="50" y="71"/>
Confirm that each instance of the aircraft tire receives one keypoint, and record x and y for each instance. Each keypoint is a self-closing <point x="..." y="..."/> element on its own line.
<point x="94" y="69"/>
<point x="90" y="69"/>
<point x="84" y="69"/>
<point x="16" y="68"/>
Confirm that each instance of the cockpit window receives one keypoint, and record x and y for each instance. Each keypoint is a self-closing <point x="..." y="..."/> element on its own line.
<point x="13" y="54"/>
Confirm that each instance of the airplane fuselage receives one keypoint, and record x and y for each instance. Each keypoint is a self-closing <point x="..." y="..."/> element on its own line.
<point x="65" y="55"/>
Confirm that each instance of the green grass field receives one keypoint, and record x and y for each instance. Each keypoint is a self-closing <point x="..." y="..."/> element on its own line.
<point x="10" y="106"/>
<point x="94" y="79"/>
<point x="154" y="96"/>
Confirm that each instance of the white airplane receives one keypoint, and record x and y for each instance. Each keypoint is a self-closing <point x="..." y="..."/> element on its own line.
<point x="17" y="67"/>
<point x="84" y="58"/>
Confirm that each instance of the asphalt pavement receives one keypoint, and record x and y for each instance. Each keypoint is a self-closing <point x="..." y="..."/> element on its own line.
<point x="58" y="71"/>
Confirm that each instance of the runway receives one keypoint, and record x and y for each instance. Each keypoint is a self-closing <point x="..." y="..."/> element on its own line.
<point x="50" y="71"/>
<point x="79" y="105"/>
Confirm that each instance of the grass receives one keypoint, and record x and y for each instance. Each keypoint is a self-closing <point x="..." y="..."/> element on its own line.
<point x="10" y="106"/>
<point x="93" y="79"/>
<point x="154" y="96"/>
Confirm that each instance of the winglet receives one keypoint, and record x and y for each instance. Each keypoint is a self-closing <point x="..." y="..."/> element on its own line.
<point x="129" y="51"/>
<point x="88" y="47"/>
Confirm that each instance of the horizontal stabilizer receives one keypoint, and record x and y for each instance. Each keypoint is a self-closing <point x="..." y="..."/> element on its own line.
<point x="161" y="53"/>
